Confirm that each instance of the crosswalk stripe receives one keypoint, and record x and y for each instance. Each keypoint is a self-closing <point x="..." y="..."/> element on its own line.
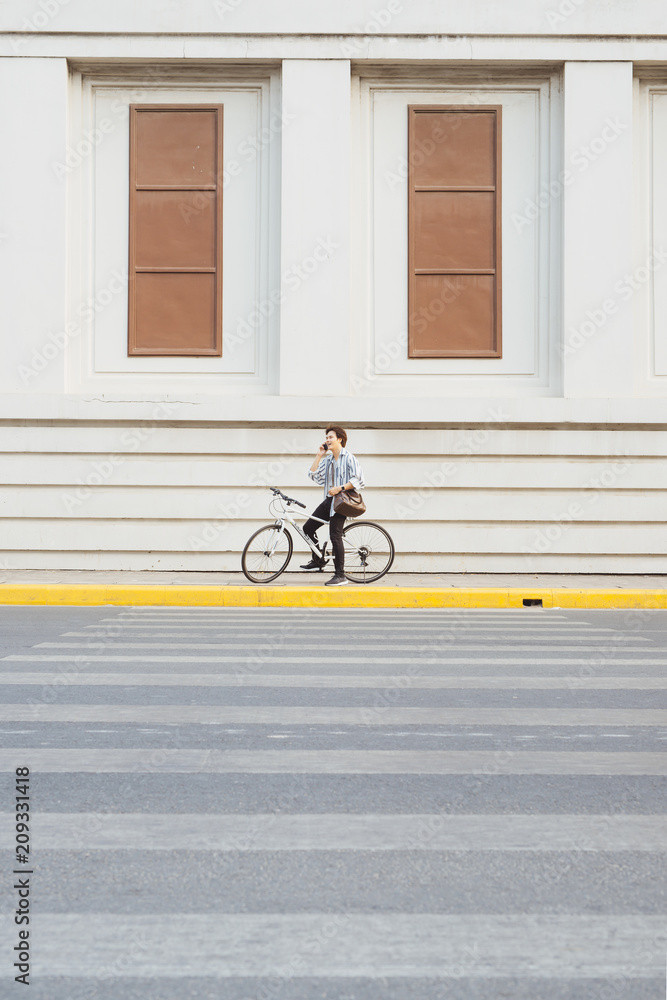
<point x="488" y="634"/>
<point x="254" y="660"/>
<point x="316" y="715"/>
<point x="483" y="762"/>
<point x="343" y="614"/>
<point x="343" y="648"/>
<point x="372" y="945"/>
<point x="114" y="642"/>
<point x="338" y="681"/>
<point x="338" y="832"/>
<point x="240" y="629"/>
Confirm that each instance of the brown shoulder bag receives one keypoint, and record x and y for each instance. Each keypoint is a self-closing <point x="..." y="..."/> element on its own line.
<point x="349" y="503"/>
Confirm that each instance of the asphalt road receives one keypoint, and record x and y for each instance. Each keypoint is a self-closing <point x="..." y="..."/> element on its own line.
<point x="278" y="804"/>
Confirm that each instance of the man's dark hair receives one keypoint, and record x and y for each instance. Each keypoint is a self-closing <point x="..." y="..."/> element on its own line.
<point x="339" y="432"/>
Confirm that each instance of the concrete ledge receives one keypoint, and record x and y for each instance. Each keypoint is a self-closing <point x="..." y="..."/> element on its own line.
<point x="180" y="595"/>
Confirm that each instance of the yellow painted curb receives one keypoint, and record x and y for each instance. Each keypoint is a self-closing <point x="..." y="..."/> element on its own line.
<point x="563" y="598"/>
<point x="308" y="597"/>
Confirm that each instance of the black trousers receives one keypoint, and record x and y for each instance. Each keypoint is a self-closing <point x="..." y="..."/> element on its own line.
<point x="336" y="525"/>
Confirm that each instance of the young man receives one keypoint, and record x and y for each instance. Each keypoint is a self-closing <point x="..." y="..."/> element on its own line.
<point x="335" y="469"/>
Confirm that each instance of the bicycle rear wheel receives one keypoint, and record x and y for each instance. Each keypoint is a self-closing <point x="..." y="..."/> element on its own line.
<point x="266" y="554"/>
<point x="369" y="551"/>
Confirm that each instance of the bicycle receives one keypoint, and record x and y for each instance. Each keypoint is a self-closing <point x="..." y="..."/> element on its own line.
<point x="369" y="550"/>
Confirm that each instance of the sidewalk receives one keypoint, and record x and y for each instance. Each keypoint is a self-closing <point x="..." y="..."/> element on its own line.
<point x="396" y="590"/>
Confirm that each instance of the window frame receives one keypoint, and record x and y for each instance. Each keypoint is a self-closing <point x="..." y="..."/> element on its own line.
<point x="413" y="349"/>
<point x="132" y="349"/>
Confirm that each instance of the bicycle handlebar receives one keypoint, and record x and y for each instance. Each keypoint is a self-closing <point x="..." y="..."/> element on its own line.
<point x="274" y="489"/>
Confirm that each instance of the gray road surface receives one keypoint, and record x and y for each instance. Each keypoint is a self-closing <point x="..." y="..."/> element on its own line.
<point x="283" y="804"/>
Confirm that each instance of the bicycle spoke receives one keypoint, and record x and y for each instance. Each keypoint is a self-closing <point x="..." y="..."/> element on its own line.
<point x="266" y="554"/>
<point x="369" y="552"/>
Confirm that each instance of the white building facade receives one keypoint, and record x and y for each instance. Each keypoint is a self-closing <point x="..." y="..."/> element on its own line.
<point x="542" y="451"/>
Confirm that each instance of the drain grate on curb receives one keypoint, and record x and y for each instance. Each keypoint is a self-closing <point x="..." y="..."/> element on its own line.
<point x="532" y="602"/>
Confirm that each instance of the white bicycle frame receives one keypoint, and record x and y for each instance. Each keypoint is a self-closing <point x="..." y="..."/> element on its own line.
<point x="370" y="550"/>
<point x="364" y="547"/>
<point x="279" y="524"/>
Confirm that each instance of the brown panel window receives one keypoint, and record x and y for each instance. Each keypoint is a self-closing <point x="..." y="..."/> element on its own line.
<point x="454" y="232"/>
<point x="175" y="271"/>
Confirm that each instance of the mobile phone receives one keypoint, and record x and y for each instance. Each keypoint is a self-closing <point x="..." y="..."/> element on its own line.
<point x="325" y="446"/>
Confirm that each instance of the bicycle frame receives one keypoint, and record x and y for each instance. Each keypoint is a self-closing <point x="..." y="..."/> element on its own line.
<point x="287" y="516"/>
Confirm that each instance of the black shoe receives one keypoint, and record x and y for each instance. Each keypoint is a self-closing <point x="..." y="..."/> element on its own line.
<point x="337" y="581"/>
<point x="316" y="564"/>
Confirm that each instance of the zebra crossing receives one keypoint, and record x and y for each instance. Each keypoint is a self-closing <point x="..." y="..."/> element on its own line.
<point x="292" y="803"/>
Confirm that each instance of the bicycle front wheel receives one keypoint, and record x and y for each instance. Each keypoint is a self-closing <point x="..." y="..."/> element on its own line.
<point x="266" y="554"/>
<point x="369" y="551"/>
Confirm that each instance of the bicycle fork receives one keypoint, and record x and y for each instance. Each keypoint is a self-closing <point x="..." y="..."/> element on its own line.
<point x="273" y="540"/>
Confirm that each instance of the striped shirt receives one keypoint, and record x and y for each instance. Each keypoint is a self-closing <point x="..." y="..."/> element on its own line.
<point x="345" y="470"/>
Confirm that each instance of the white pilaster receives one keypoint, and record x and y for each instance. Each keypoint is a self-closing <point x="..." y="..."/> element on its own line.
<point x="33" y="251"/>
<point x="315" y="228"/>
<point x="598" y="261"/>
